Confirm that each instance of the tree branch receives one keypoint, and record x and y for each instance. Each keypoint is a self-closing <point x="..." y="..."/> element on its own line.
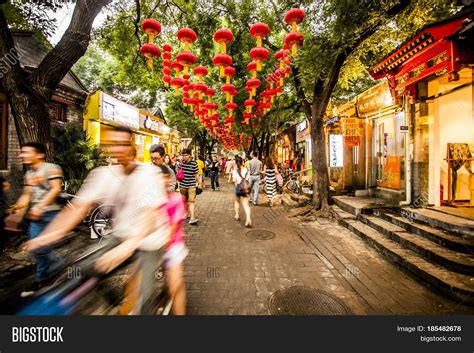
<point x="136" y="22"/>
<point x="72" y="46"/>
<point x="299" y="91"/>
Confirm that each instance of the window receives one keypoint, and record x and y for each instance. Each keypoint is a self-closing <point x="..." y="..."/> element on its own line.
<point x="57" y="112"/>
<point x="3" y="132"/>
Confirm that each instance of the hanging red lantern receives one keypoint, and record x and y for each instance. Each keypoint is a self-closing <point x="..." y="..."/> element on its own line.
<point x="294" y="40"/>
<point x="200" y="72"/>
<point x="166" y="80"/>
<point x="223" y="37"/>
<point x="259" y="54"/>
<point x="222" y="61"/>
<point x="186" y="36"/>
<point x="166" y="63"/>
<point x="166" y="71"/>
<point x="186" y="58"/>
<point x="248" y="104"/>
<point x="152" y="28"/>
<point x="167" y="47"/>
<point x="230" y="108"/>
<point x="228" y="73"/>
<point x="252" y="68"/>
<point x="254" y="83"/>
<point x="177" y="67"/>
<point x="259" y="30"/>
<point x="177" y="83"/>
<point x="150" y="51"/>
<point x="228" y="89"/>
<point x="200" y="88"/>
<point x="293" y="18"/>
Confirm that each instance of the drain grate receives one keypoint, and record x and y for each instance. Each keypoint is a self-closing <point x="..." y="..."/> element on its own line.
<point x="301" y="300"/>
<point x="260" y="234"/>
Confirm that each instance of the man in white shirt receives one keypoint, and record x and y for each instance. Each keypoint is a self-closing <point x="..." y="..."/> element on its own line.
<point x="137" y="193"/>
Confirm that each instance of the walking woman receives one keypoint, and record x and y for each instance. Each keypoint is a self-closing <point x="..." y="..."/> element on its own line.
<point x="270" y="172"/>
<point x="240" y="173"/>
<point x="214" y="173"/>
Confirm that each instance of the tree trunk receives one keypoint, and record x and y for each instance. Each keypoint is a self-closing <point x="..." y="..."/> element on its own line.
<point x="319" y="161"/>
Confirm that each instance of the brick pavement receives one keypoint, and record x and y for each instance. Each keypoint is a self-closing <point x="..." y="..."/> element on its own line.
<point x="227" y="273"/>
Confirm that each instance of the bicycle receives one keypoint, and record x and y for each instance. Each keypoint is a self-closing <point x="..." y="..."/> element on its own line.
<point x="292" y="184"/>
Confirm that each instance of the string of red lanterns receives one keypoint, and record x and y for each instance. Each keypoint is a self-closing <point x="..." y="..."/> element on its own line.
<point x="192" y="93"/>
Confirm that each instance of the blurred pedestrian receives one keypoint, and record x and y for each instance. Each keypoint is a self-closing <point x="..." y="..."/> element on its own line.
<point x="176" y="250"/>
<point x="255" y="168"/>
<point x="229" y="168"/>
<point x="190" y="182"/>
<point x="4" y="187"/>
<point x="41" y="189"/>
<point x="137" y="192"/>
<point x="240" y="174"/>
<point x="200" y="164"/>
<point x="270" y="172"/>
<point x="214" y="173"/>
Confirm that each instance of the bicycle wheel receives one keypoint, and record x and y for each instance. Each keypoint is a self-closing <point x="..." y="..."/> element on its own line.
<point x="101" y="220"/>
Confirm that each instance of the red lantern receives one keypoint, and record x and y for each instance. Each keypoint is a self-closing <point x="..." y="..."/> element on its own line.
<point x="166" y="55"/>
<point x="200" y="72"/>
<point x="186" y="58"/>
<point x="150" y="51"/>
<point x="254" y="83"/>
<point x="294" y="40"/>
<point x="252" y="68"/>
<point x="152" y="28"/>
<point x="200" y="88"/>
<point x="248" y="104"/>
<point x="223" y="37"/>
<point x="166" y="63"/>
<point x="177" y="83"/>
<point x="259" y="30"/>
<point x="186" y="36"/>
<point x="293" y="18"/>
<point x="222" y="61"/>
<point x="228" y="73"/>
<point x="167" y="47"/>
<point x="166" y="80"/>
<point x="230" y="108"/>
<point x="228" y="89"/>
<point x="259" y="54"/>
<point x="166" y="71"/>
<point x="177" y="67"/>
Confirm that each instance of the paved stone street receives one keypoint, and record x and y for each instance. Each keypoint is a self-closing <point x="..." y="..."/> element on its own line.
<point x="229" y="273"/>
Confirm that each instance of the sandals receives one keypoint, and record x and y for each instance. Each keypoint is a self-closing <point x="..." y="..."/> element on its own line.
<point x="248" y="224"/>
<point x="236" y="218"/>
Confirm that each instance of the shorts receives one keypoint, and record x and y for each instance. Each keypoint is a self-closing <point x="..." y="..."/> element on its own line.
<point x="237" y="191"/>
<point x="189" y="194"/>
<point x="175" y="255"/>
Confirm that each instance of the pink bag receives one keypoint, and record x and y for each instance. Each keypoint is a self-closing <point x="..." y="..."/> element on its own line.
<point x="180" y="173"/>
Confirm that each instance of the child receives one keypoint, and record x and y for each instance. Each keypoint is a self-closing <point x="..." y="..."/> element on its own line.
<point x="176" y="250"/>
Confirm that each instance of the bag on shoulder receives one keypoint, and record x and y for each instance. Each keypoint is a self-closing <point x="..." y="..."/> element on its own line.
<point x="244" y="185"/>
<point x="180" y="173"/>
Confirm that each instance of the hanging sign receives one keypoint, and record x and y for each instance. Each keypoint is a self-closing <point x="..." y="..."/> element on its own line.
<point x="335" y="151"/>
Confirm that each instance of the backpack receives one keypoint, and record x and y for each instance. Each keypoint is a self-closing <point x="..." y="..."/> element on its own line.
<point x="180" y="173"/>
<point x="244" y="184"/>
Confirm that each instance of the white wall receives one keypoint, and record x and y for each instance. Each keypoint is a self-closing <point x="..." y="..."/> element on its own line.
<point x="454" y="123"/>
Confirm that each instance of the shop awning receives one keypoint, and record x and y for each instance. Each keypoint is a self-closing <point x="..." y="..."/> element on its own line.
<point x="434" y="50"/>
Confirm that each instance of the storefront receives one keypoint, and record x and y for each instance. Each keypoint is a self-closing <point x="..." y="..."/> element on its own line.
<point x="346" y="154"/>
<point x="285" y="149"/>
<point x="432" y="73"/>
<point x="385" y="139"/>
<point x="104" y="111"/>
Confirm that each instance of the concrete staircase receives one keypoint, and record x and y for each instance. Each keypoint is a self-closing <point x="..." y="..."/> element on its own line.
<point x="431" y="246"/>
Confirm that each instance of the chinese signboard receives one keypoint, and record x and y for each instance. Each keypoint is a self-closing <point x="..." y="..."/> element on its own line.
<point x="335" y="151"/>
<point x="351" y="131"/>
<point x="118" y="112"/>
<point x="375" y="98"/>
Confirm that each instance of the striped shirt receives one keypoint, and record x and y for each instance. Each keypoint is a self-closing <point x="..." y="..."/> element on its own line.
<point x="190" y="169"/>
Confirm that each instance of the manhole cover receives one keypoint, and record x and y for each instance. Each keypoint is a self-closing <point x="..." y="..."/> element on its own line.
<point x="260" y="234"/>
<point x="300" y="300"/>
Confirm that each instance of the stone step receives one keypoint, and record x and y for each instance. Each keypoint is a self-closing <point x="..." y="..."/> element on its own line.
<point x="459" y="243"/>
<point x="447" y="222"/>
<point x="458" y="286"/>
<point x="340" y="214"/>
<point x="359" y="205"/>
<point x="431" y="251"/>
